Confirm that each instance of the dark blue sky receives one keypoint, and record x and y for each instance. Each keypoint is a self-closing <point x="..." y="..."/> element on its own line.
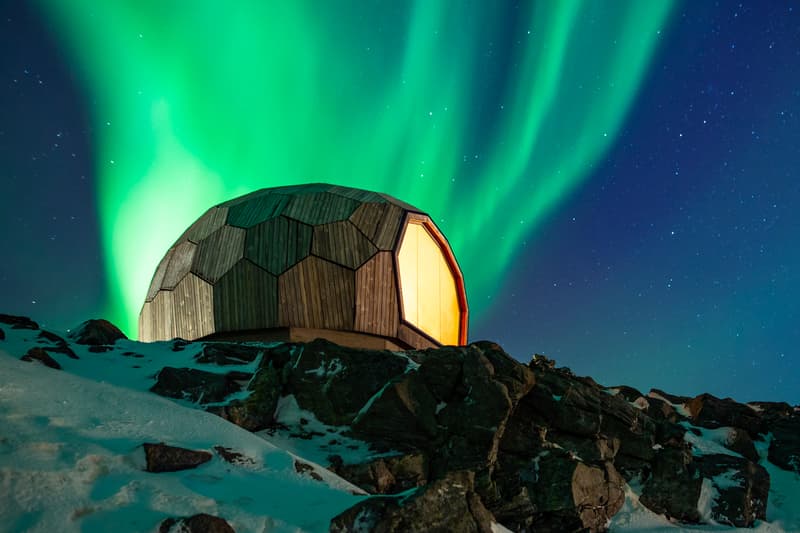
<point x="676" y="265"/>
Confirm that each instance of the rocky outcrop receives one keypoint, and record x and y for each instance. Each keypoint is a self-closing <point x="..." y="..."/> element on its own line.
<point x="199" y="523"/>
<point x="55" y="344"/>
<point x="41" y="356"/>
<point x="385" y="475"/>
<point x="18" y="322"/>
<point x="194" y="385"/>
<point x="711" y="412"/>
<point x="448" y="504"/>
<point x="547" y="450"/>
<point x="163" y="458"/>
<point x="96" y="332"/>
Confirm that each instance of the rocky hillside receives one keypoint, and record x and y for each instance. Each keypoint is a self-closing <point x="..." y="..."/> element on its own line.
<point x="454" y="439"/>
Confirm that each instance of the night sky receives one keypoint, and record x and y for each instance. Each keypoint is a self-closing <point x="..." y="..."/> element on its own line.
<point x="619" y="183"/>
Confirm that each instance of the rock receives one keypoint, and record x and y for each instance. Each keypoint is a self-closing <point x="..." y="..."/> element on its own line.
<point x="674" y="486"/>
<point x="629" y="393"/>
<point x="193" y="385"/>
<point x="306" y="469"/>
<point x="58" y="345"/>
<point x="199" y="523"/>
<point x="97" y="332"/>
<point x="228" y="353"/>
<point x="772" y="410"/>
<point x="742" y="487"/>
<point x="671" y="398"/>
<point x="402" y="413"/>
<point x="38" y="354"/>
<point x="385" y="475"/>
<point x="784" y="448"/>
<point x="163" y="458"/>
<point x="335" y="382"/>
<point x="2" y="335"/>
<point x="257" y="411"/>
<point x="563" y="493"/>
<point x="711" y="412"/>
<point x="232" y="456"/>
<point x="18" y="322"/>
<point x="473" y="420"/>
<point x="740" y="442"/>
<point x="449" y="504"/>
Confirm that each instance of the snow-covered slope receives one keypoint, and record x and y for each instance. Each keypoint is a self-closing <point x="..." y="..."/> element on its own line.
<point x="71" y="459"/>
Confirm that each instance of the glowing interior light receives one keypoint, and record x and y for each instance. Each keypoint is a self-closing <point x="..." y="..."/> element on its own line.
<point x="430" y="300"/>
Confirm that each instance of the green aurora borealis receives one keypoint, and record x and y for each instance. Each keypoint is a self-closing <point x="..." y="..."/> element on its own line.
<point x="197" y="102"/>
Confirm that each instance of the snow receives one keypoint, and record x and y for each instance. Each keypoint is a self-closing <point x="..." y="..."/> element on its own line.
<point x="710" y="441"/>
<point x="707" y="500"/>
<point x="783" y="511"/>
<point x="71" y="459"/>
<point x="320" y="440"/>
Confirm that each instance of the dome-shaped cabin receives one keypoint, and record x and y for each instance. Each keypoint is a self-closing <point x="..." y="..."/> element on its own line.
<point x="295" y="263"/>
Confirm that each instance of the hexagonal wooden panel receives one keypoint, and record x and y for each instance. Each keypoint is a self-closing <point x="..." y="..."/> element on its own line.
<point x="218" y="252"/>
<point x="316" y="293"/>
<point x="277" y="244"/>
<point x="320" y="208"/>
<point x="179" y="264"/>
<point x="342" y="243"/>
<point x="246" y="298"/>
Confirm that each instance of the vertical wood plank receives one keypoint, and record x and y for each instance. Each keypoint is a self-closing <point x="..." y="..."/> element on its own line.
<point x="245" y="298"/>
<point x="218" y="253"/>
<point x="377" y="309"/>
<point x="317" y="294"/>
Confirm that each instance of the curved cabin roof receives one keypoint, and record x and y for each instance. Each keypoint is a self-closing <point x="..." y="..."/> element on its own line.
<point x="294" y="263"/>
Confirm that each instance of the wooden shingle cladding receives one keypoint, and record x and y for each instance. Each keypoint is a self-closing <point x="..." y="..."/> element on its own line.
<point x="290" y="261"/>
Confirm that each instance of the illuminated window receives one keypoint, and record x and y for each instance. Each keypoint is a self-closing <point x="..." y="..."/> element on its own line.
<point x="430" y="300"/>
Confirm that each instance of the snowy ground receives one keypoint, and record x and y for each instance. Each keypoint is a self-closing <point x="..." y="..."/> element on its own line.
<point x="71" y="459"/>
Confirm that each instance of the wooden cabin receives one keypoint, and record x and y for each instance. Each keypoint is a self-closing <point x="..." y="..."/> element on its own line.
<point x="296" y="263"/>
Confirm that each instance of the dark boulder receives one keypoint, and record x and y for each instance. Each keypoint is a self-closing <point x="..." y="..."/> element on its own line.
<point x="41" y="356"/>
<point x="740" y="442"/>
<point x="629" y="393"/>
<point x="228" y="353"/>
<point x="163" y="458"/>
<point x="199" y="523"/>
<point x="97" y="332"/>
<point x="56" y="344"/>
<point x="2" y="335"/>
<point x="335" y="382"/>
<point x="257" y="411"/>
<point x="401" y="413"/>
<point x="711" y="412"/>
<point x="193" y="385"/>
<point x="671" y="398"/>
<point x="232" y="456"/>
<point x="556" y="491"/>
<point x="742" y="489"/>
<point x="445" y="505"/>
<point x="385" y="475"/>
<point x="18" y="322"/>
<point x="673" y="488"/>
<point x="784" y="448"/>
